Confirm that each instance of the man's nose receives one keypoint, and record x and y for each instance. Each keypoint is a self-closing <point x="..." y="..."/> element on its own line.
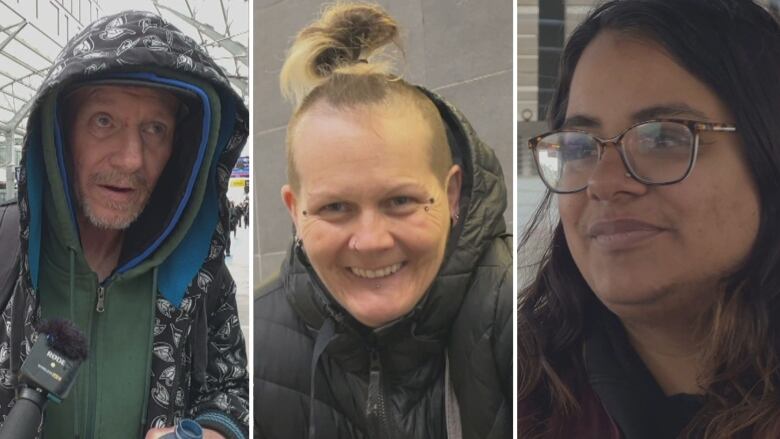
<point x="610" y="177"/>
<point x="128" y="153"/>
<point x="371" y="233"/>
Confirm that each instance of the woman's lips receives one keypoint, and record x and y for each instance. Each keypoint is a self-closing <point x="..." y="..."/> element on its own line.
<point x="622" y="234"/>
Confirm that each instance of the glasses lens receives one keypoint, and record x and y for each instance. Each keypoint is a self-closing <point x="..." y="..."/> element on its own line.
<point x="566" y="160"/>
<point x="659" y="152"/>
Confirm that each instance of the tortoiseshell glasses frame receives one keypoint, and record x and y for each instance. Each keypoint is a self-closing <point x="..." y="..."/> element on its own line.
<point x="654" y="152"/>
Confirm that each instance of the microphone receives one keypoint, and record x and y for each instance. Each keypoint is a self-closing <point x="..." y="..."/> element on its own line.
<point x="47" y="374"/>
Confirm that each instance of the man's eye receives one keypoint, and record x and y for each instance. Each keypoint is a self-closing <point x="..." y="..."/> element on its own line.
<point x="103" y="120"/>
<point x="156" y="129"/>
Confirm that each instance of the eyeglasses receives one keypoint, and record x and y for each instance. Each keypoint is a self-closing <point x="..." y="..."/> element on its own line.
<point x="655" y="152"/>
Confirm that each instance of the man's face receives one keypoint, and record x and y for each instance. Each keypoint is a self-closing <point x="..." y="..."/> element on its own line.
<point x="120" y="140"/>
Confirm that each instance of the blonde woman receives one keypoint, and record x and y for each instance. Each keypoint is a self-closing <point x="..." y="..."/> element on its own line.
<point x="391" y="317"/>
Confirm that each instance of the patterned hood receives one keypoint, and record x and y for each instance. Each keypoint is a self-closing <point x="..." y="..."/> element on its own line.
<point x="189" y="202"/>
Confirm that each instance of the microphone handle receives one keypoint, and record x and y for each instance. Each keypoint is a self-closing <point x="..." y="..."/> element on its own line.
<point x="25" y="416"/>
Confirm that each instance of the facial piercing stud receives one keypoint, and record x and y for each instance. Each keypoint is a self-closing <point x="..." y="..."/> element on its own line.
<point x="428" y="208"/>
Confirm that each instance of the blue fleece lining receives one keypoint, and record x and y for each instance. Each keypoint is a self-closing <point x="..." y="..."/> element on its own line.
<point x="34" y="202"/>
<point x="61" y="164"/>
<point x="181" y="267"/>
<point x="193" y="174"/>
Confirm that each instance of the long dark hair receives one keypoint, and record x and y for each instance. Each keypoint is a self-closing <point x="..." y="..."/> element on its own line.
<point x="732" y="46"/>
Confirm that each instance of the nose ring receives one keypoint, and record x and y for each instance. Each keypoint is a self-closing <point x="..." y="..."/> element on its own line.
<point x="353" y="244"/>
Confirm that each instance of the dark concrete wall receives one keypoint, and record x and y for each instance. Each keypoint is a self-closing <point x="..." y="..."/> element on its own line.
<point x="462" y="49"/>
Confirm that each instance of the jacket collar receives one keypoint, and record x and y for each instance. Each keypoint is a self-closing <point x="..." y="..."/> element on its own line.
<point x="627" y="389"/>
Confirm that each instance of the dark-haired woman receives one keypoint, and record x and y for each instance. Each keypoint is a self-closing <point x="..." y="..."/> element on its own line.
<point x="391" y="317"/>
<point x="654" y="313"/>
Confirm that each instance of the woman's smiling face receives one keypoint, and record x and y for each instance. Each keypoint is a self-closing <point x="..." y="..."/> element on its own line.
<point x="372" y="215"/>
<point x="661" y="248"/>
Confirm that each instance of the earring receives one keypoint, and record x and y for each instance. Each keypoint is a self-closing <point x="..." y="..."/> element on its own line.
<point x="298" y="242"/>
<point x="455" y="219"/>
<point x="628" y="174"/>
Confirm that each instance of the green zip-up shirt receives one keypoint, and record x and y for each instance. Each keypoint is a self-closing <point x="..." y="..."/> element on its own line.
<point x="110" y="396"/>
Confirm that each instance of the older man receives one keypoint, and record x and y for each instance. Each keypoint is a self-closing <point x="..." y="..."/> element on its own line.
<point x="123" y="221"/>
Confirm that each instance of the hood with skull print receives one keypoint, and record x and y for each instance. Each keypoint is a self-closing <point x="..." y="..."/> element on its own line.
<point x="184" y="222"/>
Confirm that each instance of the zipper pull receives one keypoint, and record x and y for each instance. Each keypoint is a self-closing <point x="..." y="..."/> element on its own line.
<point x="374" y="384"/>
<point x="375" y="404"/>
<point x="101" y="299"/>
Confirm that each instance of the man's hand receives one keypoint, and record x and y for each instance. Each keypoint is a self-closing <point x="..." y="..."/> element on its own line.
<point x="160" y="432"/>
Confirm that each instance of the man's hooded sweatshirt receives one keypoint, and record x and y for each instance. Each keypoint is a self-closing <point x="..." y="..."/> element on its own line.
<point x="163" y="333"/>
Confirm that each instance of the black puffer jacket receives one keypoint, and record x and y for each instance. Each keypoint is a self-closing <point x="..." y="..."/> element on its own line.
<point x="198" y="359"/>
<point x="391" y="382"/>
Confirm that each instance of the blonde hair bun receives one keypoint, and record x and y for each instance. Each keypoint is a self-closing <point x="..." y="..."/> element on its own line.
<point x="339" y="42"/>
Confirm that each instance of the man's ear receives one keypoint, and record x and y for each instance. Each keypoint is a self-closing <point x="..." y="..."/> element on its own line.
<point x="289" y="200"/>
<point x="454" y="182"/>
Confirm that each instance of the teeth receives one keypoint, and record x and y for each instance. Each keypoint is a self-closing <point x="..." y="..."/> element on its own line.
<point x="373" y="274"/>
